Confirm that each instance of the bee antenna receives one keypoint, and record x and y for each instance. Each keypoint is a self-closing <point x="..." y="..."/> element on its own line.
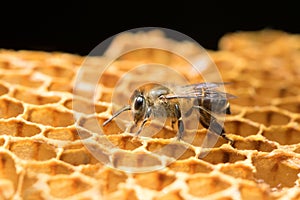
<point x="116" y="114"/>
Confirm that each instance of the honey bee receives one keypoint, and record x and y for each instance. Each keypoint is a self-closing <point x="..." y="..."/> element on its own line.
<point x="160" y="101"/>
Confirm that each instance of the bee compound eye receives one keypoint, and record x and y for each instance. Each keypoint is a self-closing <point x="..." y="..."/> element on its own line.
<point x="139" y="101"/>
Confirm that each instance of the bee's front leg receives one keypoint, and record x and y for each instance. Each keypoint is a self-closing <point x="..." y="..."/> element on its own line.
<point x="130" y="127"/>
<point x="218" y="129"/>
<point x="147" y="116"/>
<point x="180" y="122"/>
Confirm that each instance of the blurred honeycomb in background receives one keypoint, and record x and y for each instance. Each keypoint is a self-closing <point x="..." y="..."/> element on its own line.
<point x="42" y="156"/>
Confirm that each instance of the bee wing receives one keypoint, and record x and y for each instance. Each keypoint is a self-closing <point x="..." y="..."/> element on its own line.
<point x="206" y="85"/>
<point x="200" y="91"/>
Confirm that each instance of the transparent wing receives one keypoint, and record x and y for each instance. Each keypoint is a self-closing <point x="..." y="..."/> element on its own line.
<point x="200" y="91"/>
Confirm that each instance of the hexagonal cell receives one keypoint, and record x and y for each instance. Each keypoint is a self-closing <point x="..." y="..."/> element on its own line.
<point x="276" y="170"/>
<point x="268" y="118"/>
<point x="292" y="106"/>
<point x="84" y="106"/>
<point x="241" y="128"/>
<point x="124" y="65"/>
<point x="28" y="191"/>
<point x="122" y="194"/>
<point x="153" y="128"/>
<point x="70" y="60"/>
<point x="94" y="124"/>
<point x="52" y="167"/>
<point x="174" y="150"/>
<point x="171" y="195"/>
<point x="238" y="170"/>
<point x="124" y="142"/>
<point x="157" y="131"/>
<point x="99" y="154"/>
<point x="92" y="170"/>
<point x="69" y="133"/>
<point x="283" y="135"/>
<point x="22" y="79"/>
<point x="237" y="83"/>
<point x="245" y="97"/>
<point x="64" y="186"/>
<point x="203" y="137"/>
<point x="297" y="120"/>
<point x="3" y="90"/>
<point x="32" y="150"/>
<point x="215" y="156"/>
<point x="100" y="108"/>
<point x="77" y="156"/>
<point x="56" y="71"/>
<point x="60" y="86"/>
<point x="9" y="108"/>
<point x="191" y="166"/>
<point x="8" y="169"/>
<point x="251" y="41"/>
<point x="226" y="60"/>
<point x="32" y="98"/>
<point x="244" y="100"/>
<point x="153" y="54"/>
<point x="6" y="189"/>
<point x="250" y="190"/>
<point x="249" y="144"/>
<point x="272" y="91"/>
<point x="202" y="185"/>
<point x="111" y="179"/>
<point x="18" y="128"/>
<point x="2" y="141"/>
<point x="135" y="161"/>
<point x="290" y="91"/>
<point x="154" y="180"/>
<point x="26" y="55"/>
<point x="50" y="116"/>
<point x="197" y="138"/>
<point x="109" y="79"/>
<point x="5" y="64"/>
<point x="105" y="97"/>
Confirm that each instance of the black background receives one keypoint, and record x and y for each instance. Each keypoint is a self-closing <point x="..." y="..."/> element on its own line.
<point x="78" y="27"/>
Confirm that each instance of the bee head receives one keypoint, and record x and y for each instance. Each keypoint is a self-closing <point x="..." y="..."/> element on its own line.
<point x="138" y="106"/>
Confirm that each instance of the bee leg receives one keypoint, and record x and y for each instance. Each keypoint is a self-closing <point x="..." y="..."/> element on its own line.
<point x="204" y="122"/>
<point x="231" y="142"/>
<point x="180" y="129"/>
<point x="216" y="127"/>
<point x="147" y="116"/>
<point x="131" y="126"/>
<point x="209" y="121"/>
<point x="179" y="122"/>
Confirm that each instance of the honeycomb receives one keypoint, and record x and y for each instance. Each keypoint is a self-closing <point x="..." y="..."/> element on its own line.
<point x="42" y="156"/>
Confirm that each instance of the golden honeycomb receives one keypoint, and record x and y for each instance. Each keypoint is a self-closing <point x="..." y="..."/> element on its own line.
<point x="42" y="156"/>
